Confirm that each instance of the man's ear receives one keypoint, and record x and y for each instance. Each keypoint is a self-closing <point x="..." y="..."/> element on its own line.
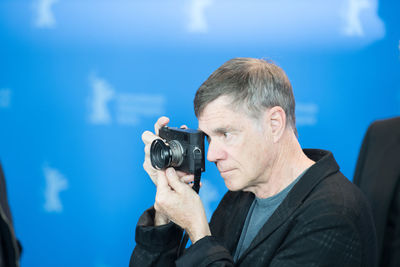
<point x="276" y="118"/>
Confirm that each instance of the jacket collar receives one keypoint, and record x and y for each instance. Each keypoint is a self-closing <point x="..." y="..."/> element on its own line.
<point x="324" y="166"/>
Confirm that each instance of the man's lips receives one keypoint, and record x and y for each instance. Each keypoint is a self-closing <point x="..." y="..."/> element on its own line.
<point x="225" y="171"/>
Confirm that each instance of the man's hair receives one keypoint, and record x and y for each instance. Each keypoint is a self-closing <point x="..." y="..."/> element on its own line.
<point x="252" y="84"/>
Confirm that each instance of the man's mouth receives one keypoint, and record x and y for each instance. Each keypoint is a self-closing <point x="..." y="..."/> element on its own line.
<point x="225" y="171"/>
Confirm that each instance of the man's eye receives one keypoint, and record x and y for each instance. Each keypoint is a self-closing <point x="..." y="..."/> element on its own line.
<point x="227" y="135"/>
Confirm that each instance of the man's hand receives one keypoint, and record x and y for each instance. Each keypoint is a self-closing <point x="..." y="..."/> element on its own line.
<point x="148" y="137"/>
<point x="178" y="201"/>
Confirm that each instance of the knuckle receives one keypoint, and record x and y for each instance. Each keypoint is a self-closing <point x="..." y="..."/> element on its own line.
<point x="148" y="137"/>
<point x="159" y="200"/>
<point x="144" y="135"/>
<point x="149" y="169"/>
<point x="156" y="206"/>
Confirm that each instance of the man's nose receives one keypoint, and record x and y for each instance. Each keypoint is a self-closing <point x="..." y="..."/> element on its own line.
<point x="215" y="152"/>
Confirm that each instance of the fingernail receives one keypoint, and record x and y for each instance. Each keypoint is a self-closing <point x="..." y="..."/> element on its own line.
<point x="170" y="171"/>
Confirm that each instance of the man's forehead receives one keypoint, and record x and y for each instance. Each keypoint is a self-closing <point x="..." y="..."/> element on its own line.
<point x="221" y="103"/>
<point x="219" y="115"/>
<point x="217" y="110"/>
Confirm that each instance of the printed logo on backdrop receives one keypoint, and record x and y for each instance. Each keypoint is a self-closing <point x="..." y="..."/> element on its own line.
<point x="306" y="114"/>
<point x="5" y="98"/>
<point x="197" y="18"/>
<point x="44" y="14"/>
<point x="107" y="106"/>
<point x="352" y="17"/>
<point x="55" y="184"/>
<point x="319" y="22"/>
<point x="399" y="49"/>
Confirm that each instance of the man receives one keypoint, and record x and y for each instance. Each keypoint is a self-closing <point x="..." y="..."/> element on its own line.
<point x="10" y="248"/>
<point x="284" y="207"/>
<point x="378" y="176"/>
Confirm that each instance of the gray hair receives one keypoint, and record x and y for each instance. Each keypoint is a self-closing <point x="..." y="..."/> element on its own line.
<point x="252" y="84"/>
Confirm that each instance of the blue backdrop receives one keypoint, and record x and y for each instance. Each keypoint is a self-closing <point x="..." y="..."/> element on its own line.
<point x="81" y="80"/>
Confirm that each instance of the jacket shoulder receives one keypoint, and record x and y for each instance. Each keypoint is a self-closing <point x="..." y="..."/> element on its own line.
<point x="336" y="194"/>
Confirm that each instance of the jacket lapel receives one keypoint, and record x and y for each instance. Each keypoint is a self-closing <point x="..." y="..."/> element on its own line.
<point x="324" y="166"/>
<point x="238" y="221"/>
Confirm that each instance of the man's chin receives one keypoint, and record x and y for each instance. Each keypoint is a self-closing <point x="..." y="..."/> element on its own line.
<point x="231" y="180"/>
<point x="232" y="186"/>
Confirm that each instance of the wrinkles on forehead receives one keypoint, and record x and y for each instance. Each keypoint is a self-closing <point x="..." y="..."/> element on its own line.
<point x="215" y="113"/>
<point x="220" y="116"/>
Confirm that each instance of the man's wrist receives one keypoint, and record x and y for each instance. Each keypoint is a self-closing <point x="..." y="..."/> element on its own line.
<point x="160" y="219"/>
<point x="199" y="234"/>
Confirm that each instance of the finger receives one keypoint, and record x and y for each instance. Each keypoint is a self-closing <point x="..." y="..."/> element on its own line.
<point x="147" y="149"/>
<point x="184" y="127"/>
<point x="187" y="179"/>
<point x="147" y="157"/>
<point x="161" y="122"/>
<point x="150" y="171"/>
<point x="148" y="137"/>
<point x="160" y="193"/>
<point x="162" y="182"/>
<point x="173" y="180"/>
<point x="181" y="174"/>
<point x="192" y="184"/>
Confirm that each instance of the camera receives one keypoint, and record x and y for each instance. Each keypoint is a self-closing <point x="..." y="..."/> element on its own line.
<point x="182" y="149"/>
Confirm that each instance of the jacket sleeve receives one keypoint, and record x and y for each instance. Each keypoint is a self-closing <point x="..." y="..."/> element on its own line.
<point x="158" y="246"/>
<point x="208" y="251"/>
<point x="216" y="250"/>
<point x="155" y="245"/>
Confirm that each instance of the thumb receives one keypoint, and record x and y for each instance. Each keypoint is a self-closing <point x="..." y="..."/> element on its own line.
<point x="173" y="180"/>
<point x="162" y="182"/>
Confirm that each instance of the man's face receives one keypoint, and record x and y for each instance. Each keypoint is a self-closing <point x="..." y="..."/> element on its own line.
<point x="238" y="145"/>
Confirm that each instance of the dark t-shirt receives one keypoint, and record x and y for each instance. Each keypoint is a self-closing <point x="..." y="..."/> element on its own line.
<point x="260" y="211"/>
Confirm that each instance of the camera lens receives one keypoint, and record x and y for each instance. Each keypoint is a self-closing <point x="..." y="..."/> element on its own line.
<point x="164" y="155"/>
<point x="160" y="154"/>
<point x="176" y="153"/>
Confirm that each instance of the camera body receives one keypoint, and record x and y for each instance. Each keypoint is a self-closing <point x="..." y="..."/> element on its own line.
<point x="182" y="149"/>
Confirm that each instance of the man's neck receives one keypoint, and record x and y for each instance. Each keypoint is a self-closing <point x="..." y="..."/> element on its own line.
<point x="290" y="162"/>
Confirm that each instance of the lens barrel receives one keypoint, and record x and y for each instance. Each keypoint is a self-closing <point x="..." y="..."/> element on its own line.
<point x="176" y="153"/>
<point x="160" y="154"/>
<point x="164" y="155"/>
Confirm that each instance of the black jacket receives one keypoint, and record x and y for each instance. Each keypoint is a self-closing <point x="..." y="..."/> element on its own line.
<point x="378" y="176"/>
<point x="9" y="246"/>
<point x="324" y="221"/>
